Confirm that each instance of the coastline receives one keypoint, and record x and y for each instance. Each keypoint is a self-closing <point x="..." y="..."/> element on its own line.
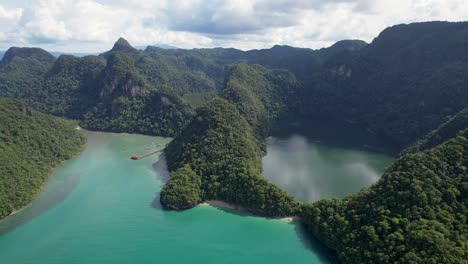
<point x="225" y="205"/>
<point x="41" y="189"/>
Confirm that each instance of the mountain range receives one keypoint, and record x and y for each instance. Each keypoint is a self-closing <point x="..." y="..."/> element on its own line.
<point x="408" y="86"/>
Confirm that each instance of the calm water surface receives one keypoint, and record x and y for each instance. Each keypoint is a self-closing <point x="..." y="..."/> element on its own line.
<point x="102" y="207"/>
<point x="326" y="161"/>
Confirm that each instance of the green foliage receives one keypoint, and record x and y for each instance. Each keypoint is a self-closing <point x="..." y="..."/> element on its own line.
<point x="31" y="143"/>
<point x="220" y="147"/>
<point x="416" y="213"/>
<point x="223" y="149"/>
<point x="106" y="94"/>
<point x="69" y="89"/>
<point x="261" y="95"/>
<point x="89" y="88"/>
<point x="22" y="71"/>
<point x="129" y="104"/>
<point x="155" y="114"/>
<point x="121" y="78"/>
<point x="183" y="190"/>
<point x="401" y="86"/>
<point x="447" y="130"/>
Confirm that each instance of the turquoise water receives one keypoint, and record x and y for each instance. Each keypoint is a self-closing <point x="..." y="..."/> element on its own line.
<point x="102" y="207"/>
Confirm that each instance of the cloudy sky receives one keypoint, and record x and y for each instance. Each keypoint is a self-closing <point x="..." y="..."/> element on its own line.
<point x="93" y="25"/>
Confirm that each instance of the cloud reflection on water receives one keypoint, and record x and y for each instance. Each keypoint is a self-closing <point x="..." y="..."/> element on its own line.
<point x="312" y="170"/>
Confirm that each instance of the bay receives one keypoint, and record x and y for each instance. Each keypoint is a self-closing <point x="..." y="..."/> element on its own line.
<point x="102" y="207"/>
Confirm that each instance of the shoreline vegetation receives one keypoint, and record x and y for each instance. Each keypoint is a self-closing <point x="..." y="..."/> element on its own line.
<point x="32" y="145"/>
<point x="241" y="209"/>
<point x="14" y="212"/>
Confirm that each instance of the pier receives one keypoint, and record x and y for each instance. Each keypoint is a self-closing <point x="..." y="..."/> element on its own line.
<point x="136" y="157"/>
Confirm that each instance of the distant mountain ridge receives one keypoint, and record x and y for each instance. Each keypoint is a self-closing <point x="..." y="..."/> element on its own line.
<point x="184" y="79"/>
<point x="377" y="85"/>
<point x="58" y="54"/>
<point x="403" y="85"/>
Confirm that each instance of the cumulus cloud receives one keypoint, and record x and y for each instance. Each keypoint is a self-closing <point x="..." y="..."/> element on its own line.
<point x="93" y="25"/>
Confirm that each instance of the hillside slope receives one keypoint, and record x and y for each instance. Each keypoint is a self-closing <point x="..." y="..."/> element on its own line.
<point x="416" y="213"/>
<point x="444" y="132"/>
<point x="221" y="159"/>
<point x="401" y="86"/>
<point x="261" y="95"/>
<point x="31" y="144"/>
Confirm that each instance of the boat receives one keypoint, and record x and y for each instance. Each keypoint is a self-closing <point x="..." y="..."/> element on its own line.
<point x="134" y="157"/>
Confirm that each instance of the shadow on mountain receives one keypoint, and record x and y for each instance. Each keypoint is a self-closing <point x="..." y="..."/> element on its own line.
<point x="334" y="133"/>
<point x="325" y="254"/>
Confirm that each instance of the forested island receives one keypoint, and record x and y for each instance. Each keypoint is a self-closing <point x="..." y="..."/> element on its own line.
<point x="407" y="86"/>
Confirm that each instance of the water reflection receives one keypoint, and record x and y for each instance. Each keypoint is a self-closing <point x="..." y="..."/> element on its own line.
<point x="311" y="170"/>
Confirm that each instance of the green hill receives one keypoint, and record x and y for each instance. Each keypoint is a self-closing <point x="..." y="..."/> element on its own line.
<point x="128" y="103"/>
<point x="22" y="71"/>
<point x="444" y="132"/>
<point x="261" y="95"/>
<point x="152" y="91"/>
<point x="216" y="157"/>
<point x="401" y="86"/>
<point x="69" y="86"/>
<point x="416" y="213"/>
<point x="31" y="144"/>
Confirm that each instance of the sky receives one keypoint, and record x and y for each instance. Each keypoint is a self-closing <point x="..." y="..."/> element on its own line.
<point x="94" y="25"/>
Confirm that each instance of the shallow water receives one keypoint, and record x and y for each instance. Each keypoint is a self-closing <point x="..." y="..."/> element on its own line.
<point x="102" y="207"/>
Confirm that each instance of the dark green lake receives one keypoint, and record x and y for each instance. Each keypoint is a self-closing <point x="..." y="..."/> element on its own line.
<point x="327" y="161"/>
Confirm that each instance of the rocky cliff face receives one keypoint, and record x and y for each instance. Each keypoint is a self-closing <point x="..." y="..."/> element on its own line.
<point x="126" y="86"/>
<point x="120" y="78"/>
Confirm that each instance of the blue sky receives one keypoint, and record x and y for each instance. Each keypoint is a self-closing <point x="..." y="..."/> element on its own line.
<point x="93" y="25"/>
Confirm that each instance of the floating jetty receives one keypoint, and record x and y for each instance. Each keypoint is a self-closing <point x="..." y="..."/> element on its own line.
<point x="136" y="157"/>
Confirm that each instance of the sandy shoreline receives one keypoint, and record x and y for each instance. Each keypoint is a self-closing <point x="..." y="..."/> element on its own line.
<point x="224" y="205"/>
<point x="41" y="189"/>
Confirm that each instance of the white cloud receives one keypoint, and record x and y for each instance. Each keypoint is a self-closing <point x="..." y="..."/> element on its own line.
<point x="8" y="19"/>
<point x="93" y="25"/>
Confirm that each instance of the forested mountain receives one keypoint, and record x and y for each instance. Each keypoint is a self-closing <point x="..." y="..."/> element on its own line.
<point x="22" y="71"/>
<point x="443" y="133"/>
<point x="31" y="144"/>
<point x="409" y="81"/>
<point x="123" y="89"/>
<point x="401" y="86"/>
<point x="128" y="103"/>
<point x="261" y="95"/>
<point x="404" y="84"/>
<point x="216" y="157"/>
<point x="106" y="94"/>
<point x="416" y="213"/>
<point x="69" y="86"/>
<point x="223" y="145"/>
